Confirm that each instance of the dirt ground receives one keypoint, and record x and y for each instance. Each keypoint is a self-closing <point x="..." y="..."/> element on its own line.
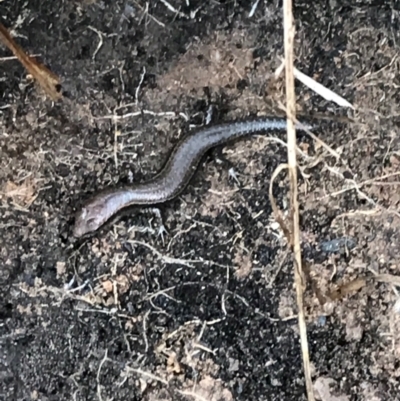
<point x="208" y="311"/>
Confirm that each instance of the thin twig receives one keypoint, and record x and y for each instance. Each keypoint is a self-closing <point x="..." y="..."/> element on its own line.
<point x="173" y="9"/>
<point x="140" y="84"/>
<point x="98" y="376"/>
<point x="147" y="375"/>
<point x="145" y="10"/>
<point x="16" y="58"/>
<point x="100" y="44"/>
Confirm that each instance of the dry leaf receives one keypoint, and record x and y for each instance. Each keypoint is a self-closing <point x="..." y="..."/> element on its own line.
<point x="22" y="194"/>
<point x="107" y="286"/>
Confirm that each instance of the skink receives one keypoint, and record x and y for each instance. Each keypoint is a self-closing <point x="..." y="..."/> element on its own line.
<point x="175" y="175"/>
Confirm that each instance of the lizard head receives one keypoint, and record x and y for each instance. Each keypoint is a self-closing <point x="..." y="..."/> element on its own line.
<point x="93" y="215"/>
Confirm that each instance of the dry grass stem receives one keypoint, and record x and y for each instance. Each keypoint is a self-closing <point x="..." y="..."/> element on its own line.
<point x="292" y="163"/>
<point x="47" y="80"/>
<point x="323" y="91"/>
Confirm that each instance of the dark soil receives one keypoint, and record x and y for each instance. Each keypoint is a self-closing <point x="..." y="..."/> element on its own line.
<point x="207" y="312"/>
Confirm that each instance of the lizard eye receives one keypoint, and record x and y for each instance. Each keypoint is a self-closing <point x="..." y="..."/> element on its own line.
<point x="91" y="221"/>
